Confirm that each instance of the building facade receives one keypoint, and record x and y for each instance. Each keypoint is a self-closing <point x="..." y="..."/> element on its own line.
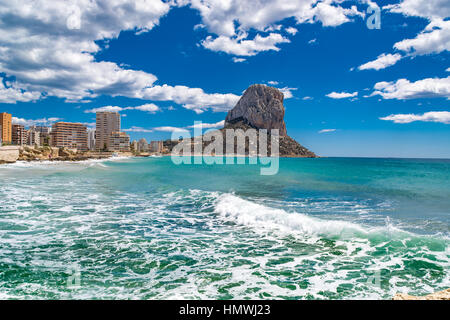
<point x="119" y="141"/>
<point x="6" y="125"/>
<point x="44" y="134"/>
<point x="69" y="135"/>
<point x="91" y="139"/>
<point x="106" y="124"/>
<point x="156" y="146"/>
<point x="33" y="137"/>
<point x="19" y="135"/>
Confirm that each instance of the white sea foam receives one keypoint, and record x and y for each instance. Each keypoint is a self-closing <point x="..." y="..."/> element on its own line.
<point x="264" y="218"/>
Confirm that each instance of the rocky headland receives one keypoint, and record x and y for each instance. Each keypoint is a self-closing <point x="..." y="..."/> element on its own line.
<point x="260" y="107"/>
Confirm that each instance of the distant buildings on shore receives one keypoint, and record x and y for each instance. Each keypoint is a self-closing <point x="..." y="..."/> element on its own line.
<point x="106" y="137"/>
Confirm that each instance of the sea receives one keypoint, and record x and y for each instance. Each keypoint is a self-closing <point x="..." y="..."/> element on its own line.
<point x="146" y="228"/>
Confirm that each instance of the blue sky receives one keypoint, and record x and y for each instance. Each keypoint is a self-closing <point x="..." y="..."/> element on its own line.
<point x="350" y="90"/>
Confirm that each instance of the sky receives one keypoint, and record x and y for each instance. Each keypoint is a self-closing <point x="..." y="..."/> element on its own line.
<point x="356" y="83"/>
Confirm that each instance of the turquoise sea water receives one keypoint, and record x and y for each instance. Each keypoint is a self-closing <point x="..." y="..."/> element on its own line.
<point x="330" y="228"/>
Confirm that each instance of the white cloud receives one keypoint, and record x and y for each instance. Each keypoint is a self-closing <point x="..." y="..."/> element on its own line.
<point x="327" y="130"/>
<point x="105" y="109"/>
<point x="432" y="116"/>
<point x="291" y="30"/>
<point x="404" y="89"/>
<point x="236" y="60"/>
<point x="11" y="93"/>
<point x="312" y="41"/>
<point x="342" y="95"/>
<point x="287" y="92"/>
<point x="38" y="122"/>
<point x="434" y="39"/>
<point x="137" y="129"/>
<point x="231" y="21"/>
<point x="244" y="47"/>
<point x="307" y="98"/>
<point x="229" y="18"/>
<point x="448" y="70"/>
<point x="50" y="48"/>
<point x="170" y="129"/>
<point x="383" y="61"/>
<point x="273" y="83"/>
<point x="191" y="98"/>
<point x="431" y="9"/>
<point x="208" y="125"/>
<point x="150" y="107"/>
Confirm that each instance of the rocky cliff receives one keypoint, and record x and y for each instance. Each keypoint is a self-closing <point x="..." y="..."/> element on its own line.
<point x="260" y="107"/>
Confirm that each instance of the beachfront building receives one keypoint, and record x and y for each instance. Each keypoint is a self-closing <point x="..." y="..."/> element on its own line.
<point x="91" y="139"/>
<point x="156" y="146"/>
<point x="44" y="134"/>
<point x="18" y="135"/>
<point x="33" y="137"/>
<point x="119" y="142"/>
<point x="106" y="124"/>
<point x="142" y="145"/>
<point x="6" y="124"/>
<point x="69" y="135"/>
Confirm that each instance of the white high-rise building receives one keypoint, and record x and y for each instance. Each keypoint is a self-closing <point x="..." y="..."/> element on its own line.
<point x="91" y="139"/>
<point x="106" y="124"/>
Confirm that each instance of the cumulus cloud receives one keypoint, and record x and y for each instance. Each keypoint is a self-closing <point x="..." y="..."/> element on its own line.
<point x="244" y="47"/>
<point x="170" y="129"/>
<point x="432" y="116"/>
<point x="273" y="83"/>
<point x="327" y="130"/>
<point x="150" y="108"/>
<point x="12" y="94"/>
<point x="137" y="129"/>
<point x="208" y="125"/>
<point x="383" y="61"/>
<point x="431" y="9"/>
<point x="191" y="98"/>
<point x="434" y="39"/>
<point x="287" y="92"/>
<point x="230" y="21"/>
<point x="38" y="122"/>
<point x="50" y="47"/>
<point x="404" y="89"/>
<point x="291" y="30"/>
<point x="237" y="60"/>
<point x="341" y="95"/>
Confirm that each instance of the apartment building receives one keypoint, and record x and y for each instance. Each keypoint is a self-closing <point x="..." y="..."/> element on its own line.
<point x="18" y="135"/>
<point x="6" y="125"/>
<point x="69" y="135"/>
<point x="119" y="141"/>
<point x="106" y="124"/>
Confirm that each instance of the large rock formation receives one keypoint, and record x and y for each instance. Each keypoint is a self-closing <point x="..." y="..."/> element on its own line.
<point x="261" y="107"/>
<point x="9" y="154"/>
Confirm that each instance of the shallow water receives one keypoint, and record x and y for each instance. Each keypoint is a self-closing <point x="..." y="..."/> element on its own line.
<point x="148" y="229"/>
